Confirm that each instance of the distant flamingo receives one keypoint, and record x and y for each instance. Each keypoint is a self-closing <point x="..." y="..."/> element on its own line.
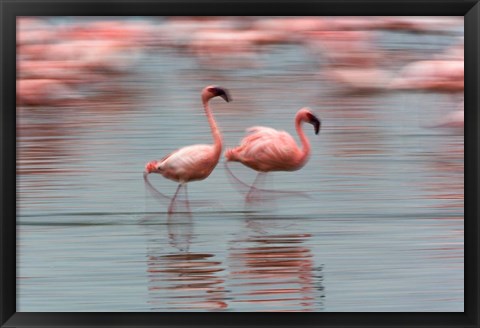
<point x="194" y="162"/>
<point x="36" y="92"/>
<point x="265" y="149"/>
<point x="435" y="75"/>
<point x="455" y="119"/>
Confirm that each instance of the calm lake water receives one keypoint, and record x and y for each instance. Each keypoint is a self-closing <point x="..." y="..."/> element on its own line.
<point x="373" y="222"/>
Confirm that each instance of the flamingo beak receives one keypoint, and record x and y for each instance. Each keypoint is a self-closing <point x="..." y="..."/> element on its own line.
<point x="226" y="97"/>
<point x="315" y="122"/>
<point x="316" y="125"/>
<point x="222" y="92"/>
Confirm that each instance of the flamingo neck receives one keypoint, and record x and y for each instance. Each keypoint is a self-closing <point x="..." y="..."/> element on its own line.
<point x="304" y="140"/>
<point x="217" y="137"/>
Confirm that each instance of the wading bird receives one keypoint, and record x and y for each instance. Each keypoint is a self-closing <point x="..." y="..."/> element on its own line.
<point x="265" y="149"/>
<point x="194" y="162"/>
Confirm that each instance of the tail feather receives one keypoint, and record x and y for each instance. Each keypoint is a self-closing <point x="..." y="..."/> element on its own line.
<point x="230" y="154"/>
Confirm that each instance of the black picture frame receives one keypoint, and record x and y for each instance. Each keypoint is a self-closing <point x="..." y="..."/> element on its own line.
<point x="10" y="9"/>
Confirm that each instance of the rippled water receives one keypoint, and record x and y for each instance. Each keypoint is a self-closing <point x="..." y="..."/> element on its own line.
<point x="374" y="221"/>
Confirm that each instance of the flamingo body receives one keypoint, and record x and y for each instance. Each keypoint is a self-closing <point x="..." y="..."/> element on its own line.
<point x="191" y="163"/>
<point x="265" y="149"/>
<point x="440" y="75"/>
<point x="455" y="119"/>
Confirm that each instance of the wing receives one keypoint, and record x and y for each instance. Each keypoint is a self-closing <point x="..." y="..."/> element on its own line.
<point x="188" y="157"/>
<point x="263" y="130"/>
<point x="194" y="162"/>
<point x="267" y="149"/>
<point x="261" y="134"/>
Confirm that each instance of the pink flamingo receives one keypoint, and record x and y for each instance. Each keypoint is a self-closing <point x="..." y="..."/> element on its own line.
<point x="194" y="162"/>
<point x="265" y="149"/>
<point x="455" y="119"/>
<point x="36" y="92"/>
<point x="435" y="75"/>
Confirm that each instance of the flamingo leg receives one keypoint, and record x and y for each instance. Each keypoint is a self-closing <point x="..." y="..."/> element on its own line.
<point x="172" y="203"/>
<point x="244" y="188"/>
<point x="157" y="194"/>
<point x="239" y="184"/>
<point x="258" y="180"/>
<point x="187" y="202"/>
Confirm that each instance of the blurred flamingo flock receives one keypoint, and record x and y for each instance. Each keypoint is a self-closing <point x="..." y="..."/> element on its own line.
<point x="71" y="63"/>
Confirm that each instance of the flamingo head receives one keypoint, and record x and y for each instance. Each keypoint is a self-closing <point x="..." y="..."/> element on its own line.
<point x="309" y="117"/>
<point x="151" y="167"/>
<point x="216" y="91"/>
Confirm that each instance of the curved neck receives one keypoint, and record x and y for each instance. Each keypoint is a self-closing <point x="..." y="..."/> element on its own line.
<point x="217" y="137"/>
<point x="303" y="139"/>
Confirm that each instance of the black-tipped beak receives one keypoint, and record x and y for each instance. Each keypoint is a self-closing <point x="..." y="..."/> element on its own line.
<point x="316" y="125"/>
<point x="315" y="122"/>
<point x="226" y="97"/>
<point x="221" y="92"/>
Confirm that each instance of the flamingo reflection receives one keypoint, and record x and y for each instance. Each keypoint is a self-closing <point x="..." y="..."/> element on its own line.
<point x="179" y="279"/>
<point x="274" y="272"/>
